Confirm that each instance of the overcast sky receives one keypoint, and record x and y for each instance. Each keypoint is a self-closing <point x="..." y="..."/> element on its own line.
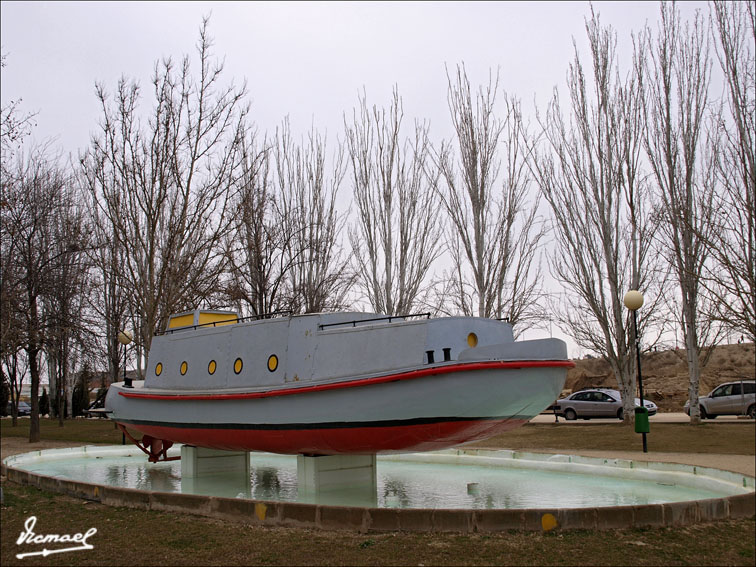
<point x="308" y="60"/>
<point x="305" y="60"/>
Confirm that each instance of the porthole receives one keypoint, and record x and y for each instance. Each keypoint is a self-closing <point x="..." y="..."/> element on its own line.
<point x="211" y="367"/>
<point x="158" y="369"/>
<point x="238" y="365"/>
<point x="184" y="368"/>
<point x="472" y="340"/>
<point x="272" y="363"/>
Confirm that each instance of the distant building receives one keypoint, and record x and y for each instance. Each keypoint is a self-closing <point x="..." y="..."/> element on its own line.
<point x="102" y="378"/>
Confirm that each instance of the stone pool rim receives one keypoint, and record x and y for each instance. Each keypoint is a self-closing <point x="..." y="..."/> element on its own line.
<point x="319" y="516"/>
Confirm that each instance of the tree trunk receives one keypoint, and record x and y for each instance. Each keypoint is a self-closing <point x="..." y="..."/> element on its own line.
<point x="694" y="369"/>
<point x="33" y="353"/>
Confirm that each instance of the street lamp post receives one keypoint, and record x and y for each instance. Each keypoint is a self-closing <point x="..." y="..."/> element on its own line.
<point x="634" y="301"/>
<point x="125" y="337"/>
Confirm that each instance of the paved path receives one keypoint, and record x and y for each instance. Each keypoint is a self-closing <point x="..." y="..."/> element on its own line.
<point x="658" y="418"/>
<point x="743" y="464"/>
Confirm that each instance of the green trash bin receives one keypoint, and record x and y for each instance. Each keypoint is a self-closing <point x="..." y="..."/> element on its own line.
<point x="641" y="420"/>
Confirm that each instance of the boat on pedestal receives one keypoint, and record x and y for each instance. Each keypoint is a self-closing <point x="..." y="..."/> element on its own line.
<point x="335" y="383"/>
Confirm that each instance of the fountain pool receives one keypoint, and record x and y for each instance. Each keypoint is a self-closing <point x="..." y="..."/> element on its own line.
<point x="473" y="482"/>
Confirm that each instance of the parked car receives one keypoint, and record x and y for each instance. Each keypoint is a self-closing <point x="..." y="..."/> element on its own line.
<point x="23" y="409"/>
<point x="596" y="402"/>
<point x="730" y="398"/>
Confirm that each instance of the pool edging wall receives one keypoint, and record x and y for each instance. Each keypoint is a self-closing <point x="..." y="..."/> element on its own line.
<point x="290" y="514"/>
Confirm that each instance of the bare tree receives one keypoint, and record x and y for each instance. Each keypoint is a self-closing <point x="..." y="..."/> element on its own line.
<point x="12" y="368"/>
<point x="165" y="187"/>
<point x="11" y="304"/>
<point x="258" y="266"/>
<point x="107" y="257"/>
<point x="676" y="101"/>
<point x="590" y="174"/>
<point x="397" y="234"/>
<point x="493" y="235"/>
<point x="65" y="304"/>
<point x="34" y="204"/>
<point x="731" y="280"/>
<point x="14" y="127"/>
<point x="319" y="276"/>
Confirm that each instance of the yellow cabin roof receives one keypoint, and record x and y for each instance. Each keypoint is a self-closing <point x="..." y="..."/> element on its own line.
<point x="205" y="317"/>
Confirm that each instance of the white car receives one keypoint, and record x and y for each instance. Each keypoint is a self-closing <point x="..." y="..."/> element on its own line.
<point x="730" y="398"/>
<point x="596" y="402"/>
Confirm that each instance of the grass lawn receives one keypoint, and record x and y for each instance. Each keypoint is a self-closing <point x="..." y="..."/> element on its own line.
<point x="721" y="438"/>
<point x="74" y="430"/>
<point x="136" y="537"/>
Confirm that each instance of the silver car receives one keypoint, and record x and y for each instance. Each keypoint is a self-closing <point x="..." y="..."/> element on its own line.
<point x="596" y="402"/>
<point x="730" y="398"/>
<point x="23" y="409"/>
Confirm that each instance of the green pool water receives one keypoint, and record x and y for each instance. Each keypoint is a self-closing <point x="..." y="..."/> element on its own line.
<point x="414" y="483"/>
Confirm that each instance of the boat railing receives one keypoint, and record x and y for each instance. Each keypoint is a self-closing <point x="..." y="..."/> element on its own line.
<point x="388" y="318"/>
<point x="283" y="313"/>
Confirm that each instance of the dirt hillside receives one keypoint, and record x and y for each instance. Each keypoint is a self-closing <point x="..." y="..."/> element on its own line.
<point x="665" y="373"/>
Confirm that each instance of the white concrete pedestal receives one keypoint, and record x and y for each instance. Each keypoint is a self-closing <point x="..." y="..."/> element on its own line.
<point x="209" y="471"/>
<point x="347" y="479"/>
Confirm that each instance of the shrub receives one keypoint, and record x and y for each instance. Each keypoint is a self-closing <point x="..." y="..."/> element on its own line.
<point x="44" y="403"/>
<point x="80" y="401"/>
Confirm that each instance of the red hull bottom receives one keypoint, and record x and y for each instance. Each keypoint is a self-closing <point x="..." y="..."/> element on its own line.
<point x="336" y="441"/>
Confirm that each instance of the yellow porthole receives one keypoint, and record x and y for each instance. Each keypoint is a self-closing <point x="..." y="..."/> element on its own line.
<point x="158" y="369"/>
<point x="238" y="365"/>
<point x="211" y="367"/>
<point x="472" y="340"/>
<point x="272" y="362"/>
<point x="184" y="367"/>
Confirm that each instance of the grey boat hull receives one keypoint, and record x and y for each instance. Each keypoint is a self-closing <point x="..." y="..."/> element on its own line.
<point x="480" y="392"/>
